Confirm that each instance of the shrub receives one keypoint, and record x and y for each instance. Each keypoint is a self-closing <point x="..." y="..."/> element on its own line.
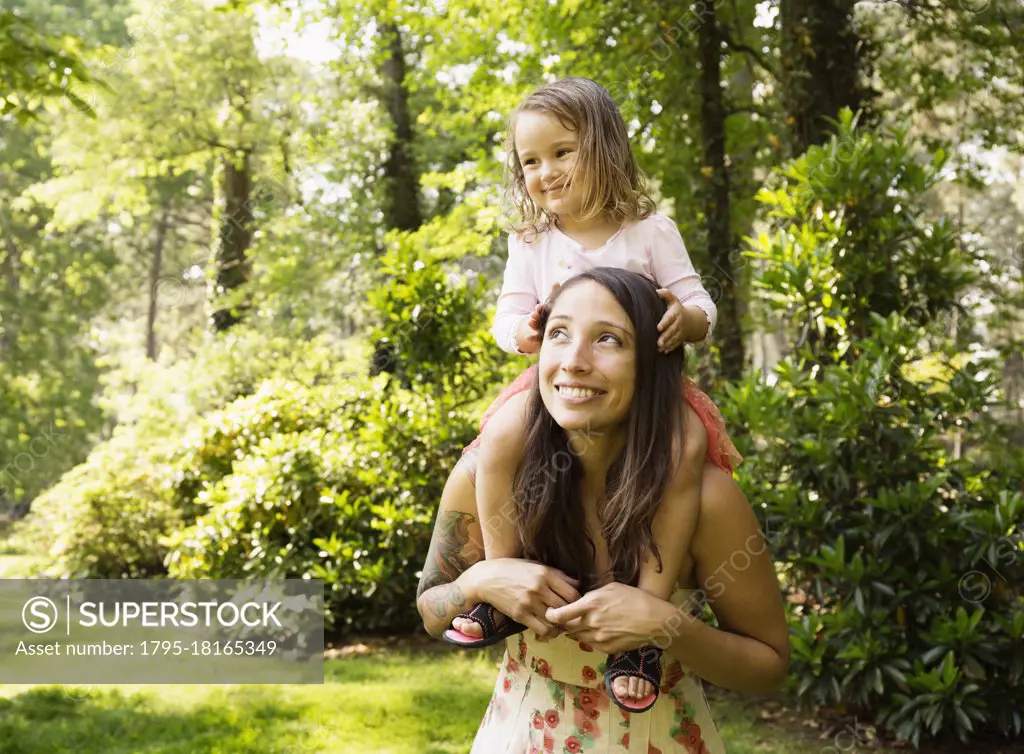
<point x="105" y="518"/>
<point x="333" y="483"/>
<point x="903" y="559"/>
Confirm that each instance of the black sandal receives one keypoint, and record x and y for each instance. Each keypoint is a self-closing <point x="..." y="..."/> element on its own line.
<point x="645" y="663"/>
<point x="484" y="614"/>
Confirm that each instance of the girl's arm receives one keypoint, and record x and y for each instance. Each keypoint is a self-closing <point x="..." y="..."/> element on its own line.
<point x="502" y="443"/>
<point x="676" y="520"/>
<point x="749" y="651"/>
<point x="673" y="269"/>
<point x="518" y="296"/>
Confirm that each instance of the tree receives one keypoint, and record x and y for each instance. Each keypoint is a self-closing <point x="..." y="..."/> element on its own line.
<point x="821" y="66"/>
<point x="27" y="77"/>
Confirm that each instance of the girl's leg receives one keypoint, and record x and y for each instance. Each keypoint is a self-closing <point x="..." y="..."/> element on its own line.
<point x="498" y="458"/>
<point x="673" y="528"/>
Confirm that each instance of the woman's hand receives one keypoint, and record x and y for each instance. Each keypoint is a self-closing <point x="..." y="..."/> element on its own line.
<point x="523" y="590"/>
<point x="616" y="618"/>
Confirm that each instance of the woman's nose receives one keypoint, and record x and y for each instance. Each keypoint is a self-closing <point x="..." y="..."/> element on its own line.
<point x="576" y="358"/>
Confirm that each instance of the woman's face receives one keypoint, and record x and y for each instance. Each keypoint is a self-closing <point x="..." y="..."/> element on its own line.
<point x="587" y="368"/>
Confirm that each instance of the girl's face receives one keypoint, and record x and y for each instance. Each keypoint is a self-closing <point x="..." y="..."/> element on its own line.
<point x="547" y="151"/>
<point x="587" y="366"/>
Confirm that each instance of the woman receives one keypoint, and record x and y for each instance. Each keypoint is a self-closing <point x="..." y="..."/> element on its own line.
<point x="580" y="454"/>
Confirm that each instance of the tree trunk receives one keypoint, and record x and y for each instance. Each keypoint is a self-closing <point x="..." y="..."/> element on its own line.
<point x="154" y="279"/>
<point x="402" y="210"/>
<point x="717" y="208"/>
<point x="9" y="261"/>
<point x="401" y="178"/>
<point x="233" y="267"/>
<point x="821" y="64"/>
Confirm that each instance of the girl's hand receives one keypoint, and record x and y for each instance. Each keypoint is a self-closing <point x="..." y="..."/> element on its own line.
<point x="616" y="618"/>
<point x="528" y="335"/>
<point x="671" y="326"/>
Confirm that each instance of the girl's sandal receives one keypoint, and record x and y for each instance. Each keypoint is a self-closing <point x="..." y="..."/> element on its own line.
<point x="485" y="615"/>
<point x="644" y="663"/>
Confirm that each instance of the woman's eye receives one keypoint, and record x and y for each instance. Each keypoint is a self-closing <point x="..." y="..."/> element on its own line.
<point x="556" y="333"/>
<point x="609" y="338"/>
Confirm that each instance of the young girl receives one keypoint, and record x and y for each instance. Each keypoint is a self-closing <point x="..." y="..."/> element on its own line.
<point x="583" y="203"/>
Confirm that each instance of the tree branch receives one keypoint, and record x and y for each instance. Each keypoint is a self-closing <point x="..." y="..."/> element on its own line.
<point x="735" y="46"/>
<point x="753" y="109"/>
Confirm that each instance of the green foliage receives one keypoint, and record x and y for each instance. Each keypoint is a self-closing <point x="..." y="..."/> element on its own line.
<point x="903" y="557"/>
<point x="275" y="464"/>
<point x="105" y="517"/>
<point x="35" y="68"/>
<point x="51" y="286"/>
<point x="332" y="482"/>
<point x="433" y="332"/>
<point x="850" y="241"/>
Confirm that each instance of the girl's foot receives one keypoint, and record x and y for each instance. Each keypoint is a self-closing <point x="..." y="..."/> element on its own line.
<point x="473" y="628"/>
<point x="481" y="627"/>
<point x="631" y="687"/>
<point x="632" y="678"/>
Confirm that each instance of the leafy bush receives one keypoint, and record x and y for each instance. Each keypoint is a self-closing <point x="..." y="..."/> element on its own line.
<point x="105" y="518"/>
<point x="260" y="457"/>
<point x="433" y="324"/>
<point x="339" y="483"/>
<point x="903" y="559"/>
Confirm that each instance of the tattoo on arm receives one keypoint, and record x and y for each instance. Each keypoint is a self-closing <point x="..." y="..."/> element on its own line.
<point x="452" y="551"/>
<point x="444" y="597"/>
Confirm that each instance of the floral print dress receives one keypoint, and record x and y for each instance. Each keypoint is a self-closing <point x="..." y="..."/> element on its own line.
<point x="550" y="697"/>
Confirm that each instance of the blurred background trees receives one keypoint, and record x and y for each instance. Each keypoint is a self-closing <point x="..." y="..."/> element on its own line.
<point x="250" y="252"/>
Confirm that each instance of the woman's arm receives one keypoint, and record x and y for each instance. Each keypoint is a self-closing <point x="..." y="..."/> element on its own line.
<point x="456" y="545"/>
<point x="455" y="576"/>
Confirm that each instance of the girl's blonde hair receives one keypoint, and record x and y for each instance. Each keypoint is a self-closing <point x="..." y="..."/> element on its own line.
<point x="611" y="180"/>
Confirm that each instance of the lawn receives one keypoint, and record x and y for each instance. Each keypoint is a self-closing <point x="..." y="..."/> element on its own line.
<point x="394" y="702"/>
<point x="419" y="698"/>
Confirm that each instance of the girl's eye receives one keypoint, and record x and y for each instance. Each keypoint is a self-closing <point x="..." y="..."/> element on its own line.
<point x="609" y="338"/>
<point x="564" y="152"/>
<point x="556" y="333"/>
<point x="529" y="162"/>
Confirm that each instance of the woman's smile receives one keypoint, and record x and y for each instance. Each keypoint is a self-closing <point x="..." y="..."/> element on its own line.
<point x="577" y="393"/>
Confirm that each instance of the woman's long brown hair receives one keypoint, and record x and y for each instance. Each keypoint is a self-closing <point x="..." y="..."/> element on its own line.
<point x="546" y="488"/>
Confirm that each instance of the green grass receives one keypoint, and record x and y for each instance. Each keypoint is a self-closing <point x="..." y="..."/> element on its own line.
<point x="396" y="702"/>
<point x="388" y="703"/>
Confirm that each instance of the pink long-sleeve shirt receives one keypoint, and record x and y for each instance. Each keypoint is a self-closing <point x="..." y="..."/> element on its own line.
<point x="652" y="247"/>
